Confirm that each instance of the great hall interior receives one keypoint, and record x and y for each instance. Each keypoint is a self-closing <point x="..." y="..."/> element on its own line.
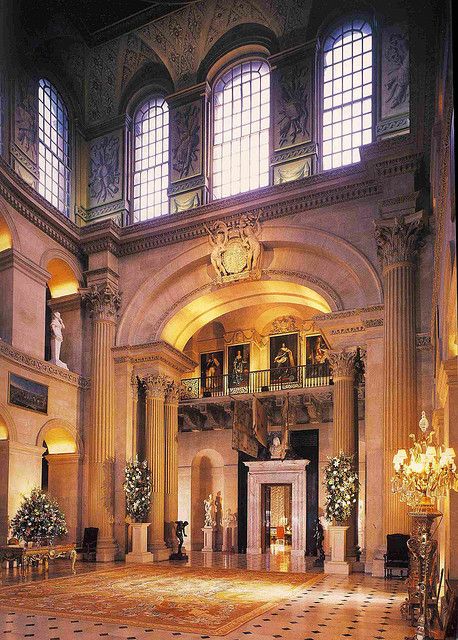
<point x="228" y="320"/>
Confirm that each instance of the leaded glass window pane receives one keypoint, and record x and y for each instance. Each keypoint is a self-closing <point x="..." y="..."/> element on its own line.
<point x="347" y="93"/>
<point x="53" y="147"/>
<point x="241" y="121"/>
<point x="151" y="159"/>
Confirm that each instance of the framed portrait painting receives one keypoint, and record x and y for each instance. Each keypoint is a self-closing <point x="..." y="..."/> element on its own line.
<point x="27" y="394"/>
<point x="211" y="371"/>
<point x="284" y="357"/>
<point x="238" y="367"/>
<point x="315" y="350"/>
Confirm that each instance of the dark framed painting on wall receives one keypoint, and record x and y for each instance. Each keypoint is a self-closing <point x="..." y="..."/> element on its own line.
<point x="27" y="394"/>
<point x="238" y="367"/>
<point x="284" y="357"/>
<point x="211" y="371"/>
<point x="315" y="353"/>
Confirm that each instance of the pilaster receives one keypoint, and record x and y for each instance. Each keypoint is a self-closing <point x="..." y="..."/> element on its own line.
<point x="172" y="396"/>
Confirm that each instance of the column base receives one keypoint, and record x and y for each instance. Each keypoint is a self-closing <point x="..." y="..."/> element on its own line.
<point x="342" y="567"/>
<point x="159" y="553"/>
<point x="106" y="551"/>
<point x="254" y="551"/>
<point x="139" y="558"/>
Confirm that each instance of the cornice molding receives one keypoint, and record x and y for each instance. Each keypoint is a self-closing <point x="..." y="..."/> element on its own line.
<point x="42" y="367"/>
<point x="157" y="351"/>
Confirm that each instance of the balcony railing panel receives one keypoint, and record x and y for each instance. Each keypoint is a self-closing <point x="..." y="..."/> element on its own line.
<point x="279" y="379"/>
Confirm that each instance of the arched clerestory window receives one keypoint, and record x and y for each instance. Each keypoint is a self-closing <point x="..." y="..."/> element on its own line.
<point x="151" y="159"/>
<point x="241" y="123"/>
<point x="347" y="103"/>
<point x="53" y="147"/>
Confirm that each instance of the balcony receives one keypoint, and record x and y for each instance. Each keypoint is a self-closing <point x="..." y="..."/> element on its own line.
<point x="263" y="381"/>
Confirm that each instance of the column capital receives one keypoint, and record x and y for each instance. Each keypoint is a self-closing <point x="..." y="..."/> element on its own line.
<point x="399" y="239"/>
<point x="134" y="385"/>
<point x="342" y="362"/>
<point x="156" y="385"/>
<point x="103" y="301"/>
<point x="173" y="392"/>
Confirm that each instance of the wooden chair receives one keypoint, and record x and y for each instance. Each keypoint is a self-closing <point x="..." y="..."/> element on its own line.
<point x="397" y="554"/>
<point x="89" y="546"/>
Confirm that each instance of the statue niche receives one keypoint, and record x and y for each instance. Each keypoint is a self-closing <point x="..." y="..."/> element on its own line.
<point x="236" y="250"/>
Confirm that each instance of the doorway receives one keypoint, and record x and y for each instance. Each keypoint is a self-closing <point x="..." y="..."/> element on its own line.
<point x="276" y="505"/>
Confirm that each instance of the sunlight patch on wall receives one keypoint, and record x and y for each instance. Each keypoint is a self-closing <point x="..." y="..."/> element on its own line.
<point x="63" y="281"/>
<point x="59" y="440"/>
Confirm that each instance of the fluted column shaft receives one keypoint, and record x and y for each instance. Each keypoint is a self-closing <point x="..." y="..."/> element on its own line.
<point x="156" y="386"/>
<point x="134" y="387"/>
<point x="104" y="304"/>
<point x="343" y="375"/>
<point x="171" y="462"/>
<point x="397" y="246"/>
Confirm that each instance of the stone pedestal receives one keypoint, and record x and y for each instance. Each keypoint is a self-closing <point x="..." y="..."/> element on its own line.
<point x="338" y="544"/>
<point x="139" y="551"/>
<point x="208" y="538"/>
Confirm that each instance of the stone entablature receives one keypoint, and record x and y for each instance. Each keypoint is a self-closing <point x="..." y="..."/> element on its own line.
<point x="42" y="367"/>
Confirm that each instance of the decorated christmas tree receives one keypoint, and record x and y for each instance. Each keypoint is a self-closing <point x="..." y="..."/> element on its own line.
<point x="137" y="487"/>
<point x="38" y="519"/>
<point x="341" y="482"/>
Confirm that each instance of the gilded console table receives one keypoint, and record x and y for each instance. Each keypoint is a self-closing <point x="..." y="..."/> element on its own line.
<point x="24" y="556"/>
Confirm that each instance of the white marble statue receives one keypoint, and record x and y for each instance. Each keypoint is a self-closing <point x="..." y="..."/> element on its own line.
<point x="208" y="507"/>
<point x="57" y="338"/>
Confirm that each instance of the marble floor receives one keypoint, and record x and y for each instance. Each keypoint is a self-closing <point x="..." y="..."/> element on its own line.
<point x="336" y="607"/>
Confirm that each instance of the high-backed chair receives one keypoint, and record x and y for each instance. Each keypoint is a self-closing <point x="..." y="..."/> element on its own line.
<point x="89" y="546"/>
<point x="397" y="554"/>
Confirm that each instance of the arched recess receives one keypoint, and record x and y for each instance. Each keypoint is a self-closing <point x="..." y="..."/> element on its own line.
<point x="9" y="236"/>
<point x="66" y="274"/>
<point x="207" y="477"/>
<point x="332" y="268"/>
<point x="62" y="464"/>
<point x="7" y="426"/>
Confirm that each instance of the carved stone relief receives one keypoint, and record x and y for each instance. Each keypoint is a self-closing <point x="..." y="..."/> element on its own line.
<point x="186" y="141"/>
<point x="292" y="105"/>
<point x="104" y="169"/>
<point x="26" y="116"/>
<point x="395" y="71"/>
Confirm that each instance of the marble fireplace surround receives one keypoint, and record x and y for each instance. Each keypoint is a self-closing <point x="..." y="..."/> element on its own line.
<point x="291" y="472"/>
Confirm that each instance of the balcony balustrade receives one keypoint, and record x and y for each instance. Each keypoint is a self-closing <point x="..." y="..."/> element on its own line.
<point x="266" y="380"/>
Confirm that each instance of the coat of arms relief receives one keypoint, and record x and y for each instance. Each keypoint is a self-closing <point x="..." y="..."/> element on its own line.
<point x="236" y="249"/>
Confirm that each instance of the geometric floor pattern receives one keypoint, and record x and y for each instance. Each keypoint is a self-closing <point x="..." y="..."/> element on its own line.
<point x="336" y="607"/>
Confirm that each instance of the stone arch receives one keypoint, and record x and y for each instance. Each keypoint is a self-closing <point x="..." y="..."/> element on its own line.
<point x="66" y="274"/>
<point x="331" y="267"/>
<point x="8" y="421"/>
<point x="207" y="476"/>
<point x="62" y="434"/>
<point x="9" y="236"/>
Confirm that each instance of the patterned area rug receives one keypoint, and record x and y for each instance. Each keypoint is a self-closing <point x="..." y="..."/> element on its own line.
<point x="210" y="601"/>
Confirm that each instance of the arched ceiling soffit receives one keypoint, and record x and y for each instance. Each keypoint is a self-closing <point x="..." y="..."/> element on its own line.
<point x="8" y="229"/>
<point x="180" y="41"/>
<point x="60" y="436"/>
<point x="324" y="263"/>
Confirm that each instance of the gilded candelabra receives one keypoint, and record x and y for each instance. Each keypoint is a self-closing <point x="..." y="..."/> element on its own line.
<point x="422" y="475"/>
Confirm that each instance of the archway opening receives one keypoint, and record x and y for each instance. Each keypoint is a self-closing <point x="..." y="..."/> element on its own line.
<point x="207" y="477"/>
<point x="63" y="281"/>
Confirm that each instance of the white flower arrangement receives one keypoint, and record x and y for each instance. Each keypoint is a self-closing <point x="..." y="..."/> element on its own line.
<point x="38" y="519"/>
<point x="137" y="487"/>
<point x="341" y="483"/>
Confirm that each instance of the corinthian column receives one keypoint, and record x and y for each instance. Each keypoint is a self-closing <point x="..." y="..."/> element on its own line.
<point x="171" y="460"/>
<point x="397" y="245"/>
<point x="156" y="387"/>
<point x="134" y="388"/>
<point x="103" y="302"/>
<point x="342" y="365"/>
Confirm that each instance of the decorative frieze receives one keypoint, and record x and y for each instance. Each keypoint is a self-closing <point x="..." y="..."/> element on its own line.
<point x="41" y="366"/>
<point x="103" y="302"/>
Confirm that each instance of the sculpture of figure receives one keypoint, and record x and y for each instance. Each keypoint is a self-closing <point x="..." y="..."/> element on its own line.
<point x="218" y="240"/>
<point x="208" y="505"/>
<point x="319" y="537"/>
<point x="219" y="509"/>
<point x="57" y="325"/>
<point x="249" y="231"/>
<point x="181" y="534"/>
<point x="276" y="448"/>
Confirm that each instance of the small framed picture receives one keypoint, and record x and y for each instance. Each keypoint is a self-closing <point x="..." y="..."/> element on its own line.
<point x="27" y="394"/>
<point x="211" y="370"/>
<point x="238" y="367"/>
<point x="284" y="350"/>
